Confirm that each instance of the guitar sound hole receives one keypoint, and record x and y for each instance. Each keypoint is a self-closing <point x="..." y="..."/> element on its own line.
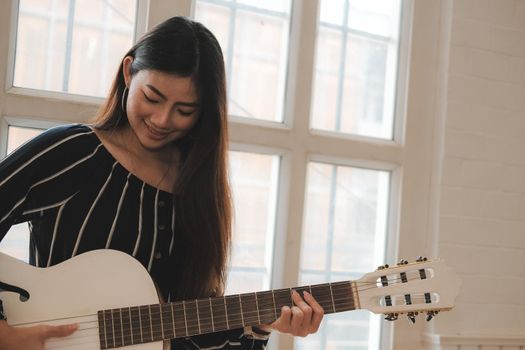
<point x="23" y="294"/>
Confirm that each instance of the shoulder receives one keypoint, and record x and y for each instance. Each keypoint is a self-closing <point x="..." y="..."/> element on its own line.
<point x="54" y="143"/>
<point x="63" y="133"/>
<point x="60" y="137"/>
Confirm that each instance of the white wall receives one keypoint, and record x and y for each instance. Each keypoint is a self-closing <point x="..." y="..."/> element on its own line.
<point x="481" y="192"/>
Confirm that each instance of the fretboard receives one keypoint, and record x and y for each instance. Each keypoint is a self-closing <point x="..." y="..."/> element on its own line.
<point x="150" y="323"/>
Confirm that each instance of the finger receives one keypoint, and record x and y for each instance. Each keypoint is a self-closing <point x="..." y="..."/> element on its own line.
<point x="59" y="331"/>
<point x="297" y="321"/>
<point x="306" y="314"/>
<point x="318" y="312"/>
<point x="307" y="311"/>
<point x="283" y="322"/>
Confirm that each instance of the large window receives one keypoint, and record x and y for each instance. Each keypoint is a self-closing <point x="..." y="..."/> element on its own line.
<point x="315" y="91"/>
<point x="344" y="237"/>
<point x="254" y="38"/>
<point x="61" y="43"/>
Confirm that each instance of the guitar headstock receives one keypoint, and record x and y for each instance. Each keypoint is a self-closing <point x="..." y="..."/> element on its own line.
<point x="409" y="288"/>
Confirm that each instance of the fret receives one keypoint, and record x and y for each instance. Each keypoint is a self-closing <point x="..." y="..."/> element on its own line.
<point x="180" y="319"/>
<point x="226" y="313"/>
<point x="211" y="316"/>
<point x="191" y="317"/>
<point x="167" y="321"/>
<point x="242" y="313"/>
<point x="220" y="320"/>
<point x="102" y="330"/>
<point x="204" y="313"/>
<point x="112" y="325"/>
<point x="110" y="335"/>
<point x="249" y="309"/>
<point x="282" y="298"/>
<point x="274" y="305"/>
<point x="233" y="311"/>
<point x="321" y="292"/>
<point x="119" y="337"/>
<point x="343" y="297"/>
<point x="265" y="303"/>
<point x="156" y="323"/>
<point x="135" y="325"/>
<point x="173" y="320"/>
<point x="257" y="308"/>
<point x="198" y="317"/>
<point x="127" y="333"/>
<point x="145" y="324"/>
<point x="332" y="296"/>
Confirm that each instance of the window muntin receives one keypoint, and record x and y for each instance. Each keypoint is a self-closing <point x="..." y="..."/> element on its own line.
<point x="61" y="43"/>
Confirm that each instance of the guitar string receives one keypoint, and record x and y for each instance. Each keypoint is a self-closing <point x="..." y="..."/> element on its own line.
<point x="370" y="285"/>
<point x="219" y="324"/>
<point x="77" y="339"/>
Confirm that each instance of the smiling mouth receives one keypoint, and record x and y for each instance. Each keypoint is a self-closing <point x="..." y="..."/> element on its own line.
<point x="155" y="132"/>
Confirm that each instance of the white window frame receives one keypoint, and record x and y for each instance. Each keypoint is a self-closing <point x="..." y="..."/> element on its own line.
<point x="410" y="156"/>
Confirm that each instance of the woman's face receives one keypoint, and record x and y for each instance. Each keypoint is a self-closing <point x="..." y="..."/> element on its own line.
<point x="161" y="107"/>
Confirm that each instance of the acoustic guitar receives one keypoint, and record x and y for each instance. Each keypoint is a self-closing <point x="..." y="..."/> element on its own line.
<point x="113" y="299"/>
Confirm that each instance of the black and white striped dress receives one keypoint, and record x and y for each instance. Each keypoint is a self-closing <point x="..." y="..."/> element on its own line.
<point x="76" y="197"/>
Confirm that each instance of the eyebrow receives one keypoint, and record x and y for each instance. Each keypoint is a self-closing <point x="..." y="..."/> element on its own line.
<point x="161" y="95"/>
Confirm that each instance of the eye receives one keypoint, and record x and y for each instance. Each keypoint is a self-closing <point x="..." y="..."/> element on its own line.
<point x="186" y="113"/>
<point x="149" y="99"/>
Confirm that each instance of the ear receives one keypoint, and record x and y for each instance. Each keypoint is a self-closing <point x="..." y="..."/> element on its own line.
<point x="126" y="69"/>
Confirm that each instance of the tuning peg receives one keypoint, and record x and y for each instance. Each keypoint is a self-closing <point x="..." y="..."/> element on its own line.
<point x="402" y="262"/>
<point x="412" y="317"/>
<point x="382" y="267"/>
<point x="421" y="259"/>
<point x="391" y="317"/>
<point x="431" y="314"/>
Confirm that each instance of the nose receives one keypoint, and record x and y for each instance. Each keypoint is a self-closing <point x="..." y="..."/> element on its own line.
<point x="162" y="119"/>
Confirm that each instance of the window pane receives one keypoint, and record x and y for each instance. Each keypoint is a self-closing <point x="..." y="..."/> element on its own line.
<point x="254" y="179"/>
<point x="62" y="43"/>
<point x="356" y="67"/>
<point x="254" y="38"/>
<point x="16" y="242"/>
<point x="18" y="135"/>
<point x="344" y="237"/>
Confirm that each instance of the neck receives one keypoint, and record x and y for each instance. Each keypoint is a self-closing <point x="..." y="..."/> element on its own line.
<point x="132" y="144"/>
<point x="149" y="323"/>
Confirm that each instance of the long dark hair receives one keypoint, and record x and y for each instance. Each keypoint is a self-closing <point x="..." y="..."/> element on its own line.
<point x="201" y="195"/>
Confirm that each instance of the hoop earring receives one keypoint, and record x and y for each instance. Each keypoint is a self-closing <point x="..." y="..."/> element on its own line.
<point x="124" y="99"/>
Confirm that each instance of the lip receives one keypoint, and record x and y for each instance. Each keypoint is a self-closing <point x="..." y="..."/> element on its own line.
<point x="155" y="133"/>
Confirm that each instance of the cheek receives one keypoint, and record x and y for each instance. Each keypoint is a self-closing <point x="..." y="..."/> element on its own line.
<point x="184" y="123"/>
<point x="134" y="109"/>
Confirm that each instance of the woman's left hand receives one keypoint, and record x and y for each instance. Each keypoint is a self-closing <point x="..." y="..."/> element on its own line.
<point x="303" y="318"/>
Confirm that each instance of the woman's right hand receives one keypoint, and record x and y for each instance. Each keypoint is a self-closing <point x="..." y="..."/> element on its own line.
<point x="31" y="338"/>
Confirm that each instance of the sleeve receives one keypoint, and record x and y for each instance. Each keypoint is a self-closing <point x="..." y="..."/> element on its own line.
<point x="236" y="339"/>
<point x="28" y="166"/>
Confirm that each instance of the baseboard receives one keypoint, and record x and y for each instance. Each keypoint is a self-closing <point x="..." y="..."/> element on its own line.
<point x="479" y="340"/>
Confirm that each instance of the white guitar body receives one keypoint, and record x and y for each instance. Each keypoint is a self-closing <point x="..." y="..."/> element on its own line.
<point x="82" y="285"/>
<point x="113" y="283"/>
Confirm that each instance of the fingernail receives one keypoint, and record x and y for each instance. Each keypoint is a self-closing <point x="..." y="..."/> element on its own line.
<point x="305" y="293"/>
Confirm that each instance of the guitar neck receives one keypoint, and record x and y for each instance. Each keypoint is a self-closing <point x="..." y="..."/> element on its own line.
<point x="149" y="323"/>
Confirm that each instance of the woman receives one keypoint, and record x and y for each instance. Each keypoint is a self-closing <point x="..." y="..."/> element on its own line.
<point x="148" y="178"/>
